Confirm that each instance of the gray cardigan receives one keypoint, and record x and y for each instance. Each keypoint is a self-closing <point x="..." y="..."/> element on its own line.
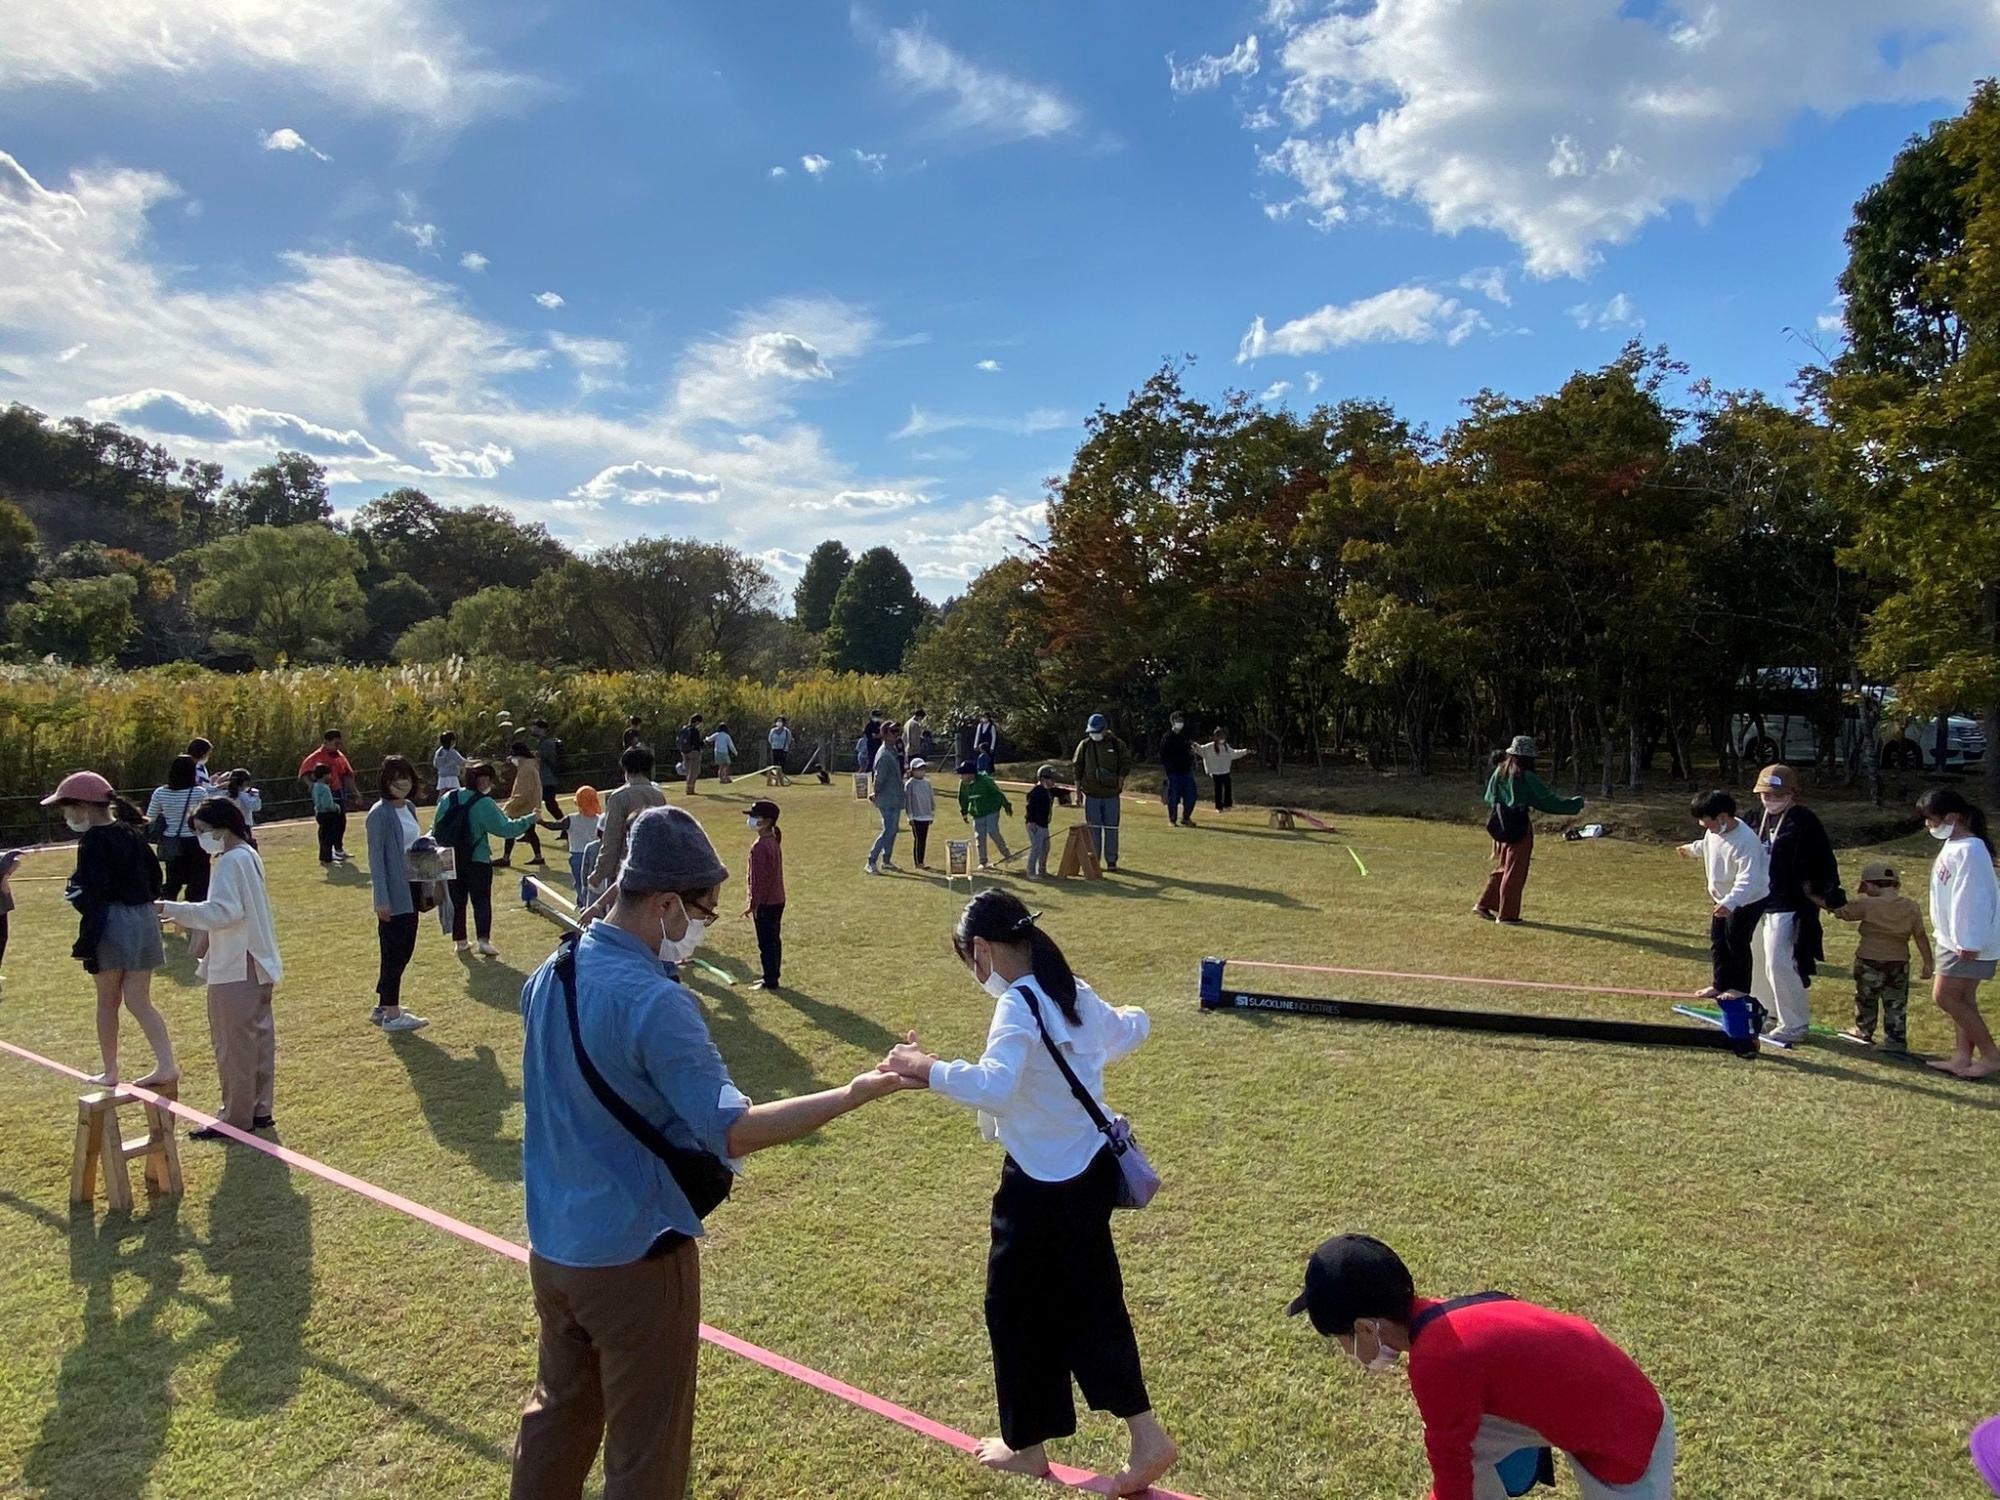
<point x="388" y="864"/>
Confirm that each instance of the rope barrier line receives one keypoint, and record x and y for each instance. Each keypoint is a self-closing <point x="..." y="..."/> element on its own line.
<point x="1512" y="984"/>
<point x="902" y="1416"/>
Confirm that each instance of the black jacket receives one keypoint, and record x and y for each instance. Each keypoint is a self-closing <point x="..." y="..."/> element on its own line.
<point x="1041" y="805"/>
<point x="115" y="866"/>
<point x="1803" y="865"/>
<point x="1177" y="753"/>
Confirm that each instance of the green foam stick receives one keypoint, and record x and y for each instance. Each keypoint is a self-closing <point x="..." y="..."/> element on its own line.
<point x="709" y="968"/>
<point x="1356" y="858"/>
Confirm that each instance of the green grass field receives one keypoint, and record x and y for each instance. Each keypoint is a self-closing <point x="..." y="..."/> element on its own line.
<point x="1800" y="1250"/>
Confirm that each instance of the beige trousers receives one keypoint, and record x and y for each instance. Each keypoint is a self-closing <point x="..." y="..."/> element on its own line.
<point x="246" y="1046"/>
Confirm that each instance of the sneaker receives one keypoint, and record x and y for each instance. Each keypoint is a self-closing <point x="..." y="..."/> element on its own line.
<point x="488" y="949"/>
<point x="1111" y="865"/>
<point x="375" y="1016"/>
<point x="462" y="945"/>
<point x="207" y="1133"/>
<point x="1785" y="1037"/>
<point x="1856" y="1034"/>
<point x="340" y="856"/>
<point x="405" y="1022"/>
<point x="764" y="984"/>
<point x="868" y="869"/>
<point x="890" y="864"/>
<point x="1187" y="822"/>
<point x="263" y="1122"/>
<point x="1897" y="1045"/>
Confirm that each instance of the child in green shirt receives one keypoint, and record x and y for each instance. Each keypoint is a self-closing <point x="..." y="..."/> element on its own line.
<point x="980" y="801"/>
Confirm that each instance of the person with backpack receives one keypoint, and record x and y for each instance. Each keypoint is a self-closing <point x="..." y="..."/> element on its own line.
<point x="1055" y="1298"/>
<point x="631" y="1133"/>
<point x="465" y="820"/>
<point x="1511" y="791"/>
<point x="690" y="742"/>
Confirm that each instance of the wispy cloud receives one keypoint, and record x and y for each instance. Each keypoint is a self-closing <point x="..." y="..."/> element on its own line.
<point x="284" y="138"/>
<point x="1403" y="315"/>
<point x="1603" y="317"/>
<point x="980" y="101"/>
<point x="425" y="236"/>
<point x="1208" y="70"/>
<point x="640" y="483"/>
<point x="870" y="161"/>
<point x="868" y="502"/>
<point x="925" y="423"/>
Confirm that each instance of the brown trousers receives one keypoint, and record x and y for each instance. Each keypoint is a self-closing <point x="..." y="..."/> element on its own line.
<point x="616" y="1364"/>
<point x="246" y="1047"/>
<point x="1502" y="896"/>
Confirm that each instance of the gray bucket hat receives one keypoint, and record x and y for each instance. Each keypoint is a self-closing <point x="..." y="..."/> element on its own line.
<point x="1522" y="745"/>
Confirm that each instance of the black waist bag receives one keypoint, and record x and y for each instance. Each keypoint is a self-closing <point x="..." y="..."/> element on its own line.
<point x="702" y="1176"/>
<point x="1507" y="825"/>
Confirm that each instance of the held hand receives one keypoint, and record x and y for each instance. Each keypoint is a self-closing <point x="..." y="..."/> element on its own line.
<point x="910" y="1061"/>
<point x="877" y="1085"/>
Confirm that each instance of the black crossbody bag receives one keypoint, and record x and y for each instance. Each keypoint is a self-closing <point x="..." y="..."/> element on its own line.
<point x="703" y="1177"/>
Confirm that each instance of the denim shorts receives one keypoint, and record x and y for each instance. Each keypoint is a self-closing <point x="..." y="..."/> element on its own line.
<point x="1955" y="966"/>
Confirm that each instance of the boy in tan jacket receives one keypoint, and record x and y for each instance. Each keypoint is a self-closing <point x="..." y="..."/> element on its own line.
<point x="1890" y="922"/>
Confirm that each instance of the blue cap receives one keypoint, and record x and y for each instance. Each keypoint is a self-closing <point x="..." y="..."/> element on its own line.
<point x="1096" y="723"/>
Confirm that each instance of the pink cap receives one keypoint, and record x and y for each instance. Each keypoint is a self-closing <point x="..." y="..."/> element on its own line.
<point x="81" y="786"/>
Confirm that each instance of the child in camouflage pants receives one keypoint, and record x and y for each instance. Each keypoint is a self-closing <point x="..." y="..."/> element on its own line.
<point x="1890" y="921"/>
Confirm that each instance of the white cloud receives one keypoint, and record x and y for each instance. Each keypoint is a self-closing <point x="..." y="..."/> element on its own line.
<point x="783" y="561"/>
<point x="958" y="546"/>
<point x="589" y="353"/>
<point x="287" y="139"/>
<point x="548" y="301"/>
<point x="171" y="414"/>
<point x="70" y="353"/>
<point x="982" y="101"/>
<point x="425" y="236"/>
<point x="777" y="172"/>
<point x="639" y="483"/>
<point x="1276" y="390"/>
<point x="868" y="502"/>
<point x="786" y="355"/>
<point x="1402" y="315"/>
<point x="990" y="366"/>
<point x="1490" y="282"/>
<point x="872" y="161"/>
<point x="402" y="57"/>
<point x="925" y="423"/>
<point x="472" y="260"/>
<point x="814" y="164"/>
<point x="1260" y="118"/>
<point x="748" y="374"/>
<point x="1313" y="382"/>
<point x="1284" y="14"/>
<point x="1568" y="125"/>
<point x="484" y="462"/>
<point x="1208" y="71"/>
<point x="1616" y="313"/>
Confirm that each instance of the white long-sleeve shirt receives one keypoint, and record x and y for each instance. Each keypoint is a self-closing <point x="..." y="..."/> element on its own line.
<point x="1218" y="761"/>
<point x="236" y="916"/>
<point x="1022" y="1098"/>
<point x="1738" y="865"/>
<point x="1965" y="898"/>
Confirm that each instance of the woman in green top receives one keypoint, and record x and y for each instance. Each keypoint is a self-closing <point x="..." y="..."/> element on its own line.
<point x="470" y="817"/>
<point x="1511" y="792"/>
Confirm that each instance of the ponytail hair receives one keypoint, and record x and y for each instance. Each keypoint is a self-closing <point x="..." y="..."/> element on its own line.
<point x="1000" y="917"/>
<point x="1942" y="801"/>
<point x="124" y="810"/>
<point x="224" y="816"/>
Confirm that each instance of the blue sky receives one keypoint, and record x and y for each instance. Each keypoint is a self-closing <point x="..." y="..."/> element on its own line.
<point x="769" y="273"/>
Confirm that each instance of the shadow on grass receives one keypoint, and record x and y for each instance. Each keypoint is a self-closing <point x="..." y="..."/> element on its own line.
<point x="763" y="1066"/>
<point x="114" y="1399"/>
<point x="1626" y="939"/>
<point x="494" y="981"/>
<point x="347" y="873"/>
<point x="465" y="1101"/>
<point x="856" y="1031"/>
<point x="1910" y="1077"/>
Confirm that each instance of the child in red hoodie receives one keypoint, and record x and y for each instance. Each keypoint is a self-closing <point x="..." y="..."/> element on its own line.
<point x="1497" y="1381"/>
<point x="767" y="890"/>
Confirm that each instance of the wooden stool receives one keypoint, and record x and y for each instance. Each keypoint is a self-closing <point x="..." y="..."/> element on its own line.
<point x="1281" y="817"/>
<point x="1079" y="855"/>
<point x="775" y="777"/>
<point x="99" y="1138"/>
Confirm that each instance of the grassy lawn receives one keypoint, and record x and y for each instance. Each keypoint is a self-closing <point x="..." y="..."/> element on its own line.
<point x="1799" y="1250"/>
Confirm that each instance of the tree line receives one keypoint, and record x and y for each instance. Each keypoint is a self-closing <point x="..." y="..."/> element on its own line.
<point x="1632" y="565"/>
<point x="113" y="551"/>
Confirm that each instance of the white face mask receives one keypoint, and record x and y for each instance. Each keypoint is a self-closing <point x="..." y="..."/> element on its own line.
<point x="680" y="949"/>
<point x="1179" y="725"/>
<point x="210" y="840"/>
<point x="399" y="789"/>
<point x="77" y="821"/>
<point x="1941" y="832"/>
<point x="1097" y="734"/>
<point x="753" y="825"/>
<point x="1384" y="1358"/>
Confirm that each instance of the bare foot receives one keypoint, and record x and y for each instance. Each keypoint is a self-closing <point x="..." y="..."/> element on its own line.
<point x="1708" y="992"/>
<point x="1984" y="1069"/>
<point x="108" y="1079"/>
<point x="158" y="1078"/>
<point x="1951" y="1065"/>
<point x="995" y="1454"/>
<point x="1153" y="1453"/>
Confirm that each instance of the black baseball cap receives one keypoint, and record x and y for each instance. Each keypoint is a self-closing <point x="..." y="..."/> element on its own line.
<point x="1353" y="1276"/>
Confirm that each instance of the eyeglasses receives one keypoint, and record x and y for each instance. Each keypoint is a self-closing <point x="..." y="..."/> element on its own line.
<point x="712" y="914"/>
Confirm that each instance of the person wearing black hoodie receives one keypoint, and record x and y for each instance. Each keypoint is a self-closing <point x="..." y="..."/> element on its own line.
<point x="1789" y="944"/>
<point x="1177" y="762"/>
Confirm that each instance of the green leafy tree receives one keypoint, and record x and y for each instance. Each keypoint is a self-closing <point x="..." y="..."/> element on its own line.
<point x="985" y="654"/>
<point x="812" y="599"/>
<point x="20" y="552"/>
<point x="288" y="491"/>
<point x="281" y="593"/>
<point x="81" y="620"/>
<point x="453" y="551"/>
<point x="1916" y="400"/>
<point x="875" y="615"/>
<point x="395" y="604"/>
<point x="426" y="641"/>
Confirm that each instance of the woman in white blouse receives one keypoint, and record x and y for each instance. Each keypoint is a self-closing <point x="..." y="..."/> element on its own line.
<point x="1055" y="1300"/>
<point x="1965" y="913"/>
<point x="240" y="967"/>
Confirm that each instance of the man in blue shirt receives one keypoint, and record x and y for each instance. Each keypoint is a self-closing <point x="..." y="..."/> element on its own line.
<point x="616" y="1276"/>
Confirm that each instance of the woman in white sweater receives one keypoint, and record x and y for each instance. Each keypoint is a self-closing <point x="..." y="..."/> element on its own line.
<point x="1965" y="915"/>
<point x="1218" y="758"/>
<point x="240" y="966"/>
<point x="1055" y="1299"/>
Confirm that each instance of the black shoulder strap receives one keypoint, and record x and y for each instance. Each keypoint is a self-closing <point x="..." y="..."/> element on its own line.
<point x="700" y="1174"/>
<point x="1076" y="1087"/>
<point x="1431" y="1314"/>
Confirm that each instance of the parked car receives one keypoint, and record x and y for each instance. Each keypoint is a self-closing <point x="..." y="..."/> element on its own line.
<point x="1907" y="744"/>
